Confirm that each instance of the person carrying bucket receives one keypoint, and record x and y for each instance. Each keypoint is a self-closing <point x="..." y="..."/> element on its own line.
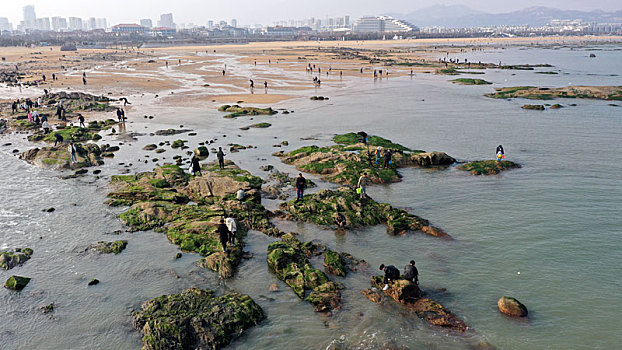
<point x="500" y="153"/>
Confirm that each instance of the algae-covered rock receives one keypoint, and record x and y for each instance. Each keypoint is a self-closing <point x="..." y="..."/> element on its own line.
<point x="10" y="259"/>
<point x="161" y="200"/>
<point x="373" y="294"/>
<point x="195" y="319"/>
<point x="59" y="158"/>
<point x="540" y="93"/>
<point x="321" y="208"/>
<point x="93" y="281"/>
<point x="115" y="247"/>
<point x="400" y="290"/>
<point x="238" y="111"/>
<point x="534" y="107"/>
<point x="16" y="282"/>
<point x="470" y="81"/>
<point x="512" y="307"/>
<point x="288" y="260"/>
<point x="488" y="167"/>
<point x="345" y="162"/>
<point x="334" y="263"/>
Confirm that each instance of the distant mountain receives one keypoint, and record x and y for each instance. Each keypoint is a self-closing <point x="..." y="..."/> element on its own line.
<point x="463" y="16"/>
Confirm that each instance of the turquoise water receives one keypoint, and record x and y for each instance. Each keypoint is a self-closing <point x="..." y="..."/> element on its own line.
<point x="556" y="221"/>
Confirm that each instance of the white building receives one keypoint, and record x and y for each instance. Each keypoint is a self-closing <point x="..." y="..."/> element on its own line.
<point x="5" y="24"/>
<point x="146" y="23"/>
<point x="166" y="21"/>
<point x="75" y="23"/>
<point x="44" y="24"/>
<point x="382" y="24"/>
<point x="59" y="24"/>
<point x="30" y="18"/>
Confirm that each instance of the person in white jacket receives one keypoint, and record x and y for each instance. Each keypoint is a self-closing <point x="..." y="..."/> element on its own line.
<point x="231" y="225"/>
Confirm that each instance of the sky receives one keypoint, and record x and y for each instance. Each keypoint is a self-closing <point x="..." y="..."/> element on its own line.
<point x="250" y="12"/>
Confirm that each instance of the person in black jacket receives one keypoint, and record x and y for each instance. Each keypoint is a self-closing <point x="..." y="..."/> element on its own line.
<point x="411" y="273"/>
<point x="391" y="273"/>
<point x="223" y="232"/>
<point x="301" y="183"/>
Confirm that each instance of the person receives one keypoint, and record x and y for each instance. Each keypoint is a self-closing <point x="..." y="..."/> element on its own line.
<point x="387" y="158"/>
<point x="13" y="107"/>
<point x="72" y="150"/>
<point x="119" y="116"/>
<point x="81" y="119"/>
<point x="363" y="136"/>
<point x="123" y="115"/>
<point x="223" y="233"/>
<point x="59" y="112"/>
<point x="46" y="127"/>
<point x="340" y="220"/>
<point x="301" y="183"/>
<point x="265" y="84"/>
<point x="221" y="158"/>
<point x="240" y="195"/>
<point x="83" y="80"/>
<point x="500" y="153"/>
<point x="196" y="167"/>
<point x="43" y="77"/>
<point x="391" y="273"/>
<point x="232" y="227"/>
<point x="411" y="273"/>
<point x="378" y="154"/>
<point x="362" y="185"/>
<point x="252" y="83"/>
<point x="58" y="138"/>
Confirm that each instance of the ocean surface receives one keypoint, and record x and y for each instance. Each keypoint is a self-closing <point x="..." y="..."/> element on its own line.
<point x="548" y="234"/>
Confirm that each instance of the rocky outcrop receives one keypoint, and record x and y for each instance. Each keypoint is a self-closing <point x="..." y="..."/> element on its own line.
<point x="345" y="162"/>
<point x="189" y="208"/>
<point x="410" y="296"/>
<point x="238" y="111"/>
<point x="288" y="259"/>
<point x="195" y="319"/>
<point x="539" y="93"/>
<point x="16" y="283"/>
<point x="16" y="257"/>
<point x="488" y="167"/>
<point x="512" y="307"/>
<point x="322" y="208"/>
<point x="59" y="158"/>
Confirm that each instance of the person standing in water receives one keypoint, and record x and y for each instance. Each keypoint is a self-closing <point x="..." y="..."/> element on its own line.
<point x="301" y="183"/>
<point x="221" y="158"/>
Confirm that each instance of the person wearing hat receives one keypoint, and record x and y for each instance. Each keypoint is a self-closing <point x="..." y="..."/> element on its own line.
<point x="411" y="273"/>
<point x="378" y="155"/>
<point x="391" y="273"/>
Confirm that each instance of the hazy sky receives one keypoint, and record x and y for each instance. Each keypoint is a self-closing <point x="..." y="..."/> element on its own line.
<point x="249" y="12"/>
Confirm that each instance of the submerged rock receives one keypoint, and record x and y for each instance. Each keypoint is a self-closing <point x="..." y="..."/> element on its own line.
<point x="115" y="247"/>
<point x="10" y="259"/>
<point x="16" y="283"/>
<point x="238" y="111"/>
<point x="512" y="307"/>
<point x="93" y="281"/>
<point x="195" y="319"/>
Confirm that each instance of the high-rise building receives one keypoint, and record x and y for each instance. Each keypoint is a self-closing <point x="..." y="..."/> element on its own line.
<point x="210" y="24"/>
<point x="146" y="23"/>
<point x="346" y="21"/>
<point x="234" y="23"/>
<point x="5" y="24"/>
<point x="75" y="23"/>
<point x="100" y="23"/>
<point x="166" y="21"/>
<point x="59" y="24"/>
<point x="30" y="18"/>
<point x="44" y="24"/>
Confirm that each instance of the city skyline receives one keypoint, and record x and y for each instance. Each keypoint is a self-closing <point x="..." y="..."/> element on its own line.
<point x="271" y="11"/>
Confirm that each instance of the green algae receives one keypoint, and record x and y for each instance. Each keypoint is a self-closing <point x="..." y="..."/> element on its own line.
<point x="488" y="167"/>
<point x="470" y="81"/>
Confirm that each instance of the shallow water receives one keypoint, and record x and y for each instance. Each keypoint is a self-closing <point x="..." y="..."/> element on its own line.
<point x="556" y="221"/>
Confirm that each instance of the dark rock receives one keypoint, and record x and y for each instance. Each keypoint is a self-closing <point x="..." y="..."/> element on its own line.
<point x="512" y="307"/>
<point x="93" y="282"/>
<point x="16" y="283"/>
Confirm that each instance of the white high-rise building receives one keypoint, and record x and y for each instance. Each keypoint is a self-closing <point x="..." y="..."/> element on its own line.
<point x="75" y="23"/>
<point x="59" y="24"/>
<point x="234" y="23"/>
<point x="100" y="23"/>
<point x="210" y="24"/>
<point x="5" y="24"/>
<point x="166" y="21"/>
<point x="44" y="24"/>
<point x="146" y="23"/>
<point x="30" y="18"/>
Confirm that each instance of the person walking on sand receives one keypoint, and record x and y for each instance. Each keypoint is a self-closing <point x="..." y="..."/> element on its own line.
<point x="223" y="233"/>
<point x="362" y="185"/>
<point x="411" y="273"/>
<point x="221" y="158"/>
<point x="233" y="228"/>
<point x="119" y="116"/>
<point x="252" y="84"/>
<point x="265" y="85"/>
<point x="81" y="119"/>
<point x="301" y="183"/>
<point x="83" y="80"/>
<point x="391" y="273"/>
<point x="72" y="150"/>
<point x="196" y="167"/>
